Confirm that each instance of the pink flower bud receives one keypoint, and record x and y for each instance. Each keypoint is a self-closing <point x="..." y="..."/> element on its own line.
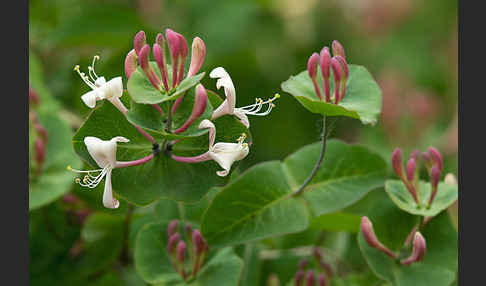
<point x="410" y="169"/>
<point x="173" y="227"/>
<point x="173" y="240"/>
<point x="183" y="56"/>
<point x="143" y="58"/>
<point x="199" y="243"/>
<point x="200" y="103"/>
<point x="188" y="230"/>
<point x="370" y="237"/>
<point x="419" y="249"/>
<point x="40" y="151"/>
<point x="415" y="155"/>
<point x="337" y="49"/>
<point x="312" y="70"/>
<point x="299" y="277"/>
<point x="173" y="42"/>
<point x="434" y="181"/>
<point x="41" y="130"/>
<point x="139" y="41"/>
<point x="325" y="62"/>
<point x="159" y="55"/>
<point x="303" y="264"/>
<point x="181" y="251"/>
<point x="198" y="53"/>
<point x="336" y="69"/>
<point x="397" y="162"/>
<point x="436" y="157"/>
<point x="322" y="280"/>
<point x="131" y="63"/>
<point x="310" y="279"/>
<point x="345" y="73"/>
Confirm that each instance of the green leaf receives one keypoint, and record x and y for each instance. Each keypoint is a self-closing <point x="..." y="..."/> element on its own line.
<point x="256" y="205"/>
<point x="147" y="117"/>
<point x="55" y="180"/>
<point x="337" y="221"/>
<point x="362" y="100"/>
<point x="153" y="263"/>
<point x="437" y="268"/>
<point x="142" y="91"/>
<point x="446" y="196"/>
<point x="259" y="203"/>
<point x="161" y="177"/>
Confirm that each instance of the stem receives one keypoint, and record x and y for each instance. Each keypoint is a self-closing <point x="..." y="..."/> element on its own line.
<point x="125" y="258"/>
<point x="169" y="118"/>
<point x="123" y="164"/>
<point x="319" y="161"/>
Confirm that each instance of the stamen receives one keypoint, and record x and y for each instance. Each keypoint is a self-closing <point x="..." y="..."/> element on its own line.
<point x="84" y="77"/>
<point x="93" y="64"/>
<point x="90" y="180"/>
<point x="255" y="108"/>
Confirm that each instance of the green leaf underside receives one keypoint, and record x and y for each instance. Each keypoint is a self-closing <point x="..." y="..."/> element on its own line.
<point x="147" y="117"/>
<point x="437" y="268"/>
<point x="446" y="196"/>
<point x="260" y="204"/>
<point x="142" y="91"/>
<point x="362" y="100"/>
<point x="161" y="177"/>
<point x="54" y="180"/>
<point x="153" y="263"/>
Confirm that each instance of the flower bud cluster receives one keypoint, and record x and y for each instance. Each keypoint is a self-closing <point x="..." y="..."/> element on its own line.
<point x="320" y="277"/>
<point x="339" y="68"/>
<point x="419" y="246"/>
<point x="40" y="141"/>
<point x="195" y="249"/>
<point x="433" y="162"/>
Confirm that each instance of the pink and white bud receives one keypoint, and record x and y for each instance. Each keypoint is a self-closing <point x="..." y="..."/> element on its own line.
<point x="370" y="237"/>
<point x="434" y="181"/>
<point x="397" y="162"/>
<point x="345" y="75"/>
<point x="436" y="157"/>
<point x="312" y="63"/>
<point x="310" y="280"/>
<point x="337" y="49"/>
<point x="200" y="102"/>
<point x="173" y="42"/>
<point x="143" y="58"/>
<point x="419" y="249"/>
<point x="410" y="170"/>
<point x="299" y="277"/>
<point x="173" y="241"/>
<point x="336" y="69"/>
<point x="131" y="63"/>
<point x="322" y="280"/>
<point x="325" y="62"/>
<point x="159" y="55"/>
<point x="183" y="56"/>
<point x="139" y="41"/>
<point x="198" y="53"/>
<point x="173" y="227"/>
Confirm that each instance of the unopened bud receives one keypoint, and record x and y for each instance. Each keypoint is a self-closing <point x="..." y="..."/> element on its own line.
<point x="173" y="241"/>
<point x="322" y="280"/>
<point x="415" y="155"/>
<point x="198" y="53"/>
<point x="436" y="157"/>
<point x="200" y="102"/>
<point x="419" y="249"/>
<point x="397" y="162"/>
<point x="336" y="69"/>
<point x="143" y="58"/>
<point x="183" y="56"/>
<point x="370" y="237"/>
<point x="312" y="70"/>
<point x="40" y="151"/>
<point x="139" y="41"/>
<point x="345" y="75"/>
<point x="181" y="251"/>
<point x="159" y="56"/>
<point x="325" y="63"/>
<point x="173" y="42"/>
<point x="310" y="280"/>
<point x="299" y="277"/>
<point x="173" y="227"/>
<point x="41" y="130"/>
<point x="434" y="181"/>
<point x="130" y="63"/>
<point x="337" y="49"/>
<point x="410" y="170"/>
<point x="199" y="244"/>
<point x="188" y="231"/>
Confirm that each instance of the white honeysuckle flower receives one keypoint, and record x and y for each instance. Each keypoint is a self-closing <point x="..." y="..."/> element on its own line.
<point x="228" y="105"/>
<point x="104" y="154"/>
<point x="101" y="89"/>
<point x="225" y="154"/>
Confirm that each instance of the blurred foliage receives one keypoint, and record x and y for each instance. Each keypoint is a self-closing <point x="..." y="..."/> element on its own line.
<point x="409" y="46"/>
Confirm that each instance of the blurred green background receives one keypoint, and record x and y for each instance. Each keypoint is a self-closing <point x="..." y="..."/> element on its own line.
<point x="409" y="46"/>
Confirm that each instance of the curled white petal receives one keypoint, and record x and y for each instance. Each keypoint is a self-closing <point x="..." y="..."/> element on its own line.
<point x="108" y="200"/>
<point x="90" y="98"/>
<point x="212" y="131"/>
<point x="242" y="116"/>
<point x="224" y="80"/>
<point x="103" y="152"/>
<point x="113" y="88"/>
<point x="100" y="81"/>
<point x="225" y="154"/>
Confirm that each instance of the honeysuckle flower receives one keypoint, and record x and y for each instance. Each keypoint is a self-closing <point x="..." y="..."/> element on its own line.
<point x="111" y="90"/>
<point x="228" y="105"/>
<point x="225" y="154"/>
<point x="200" y="102"/>
<point x="104" y="154"/>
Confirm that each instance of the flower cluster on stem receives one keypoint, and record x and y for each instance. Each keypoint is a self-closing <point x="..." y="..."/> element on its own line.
<point x="324" y="271"/>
